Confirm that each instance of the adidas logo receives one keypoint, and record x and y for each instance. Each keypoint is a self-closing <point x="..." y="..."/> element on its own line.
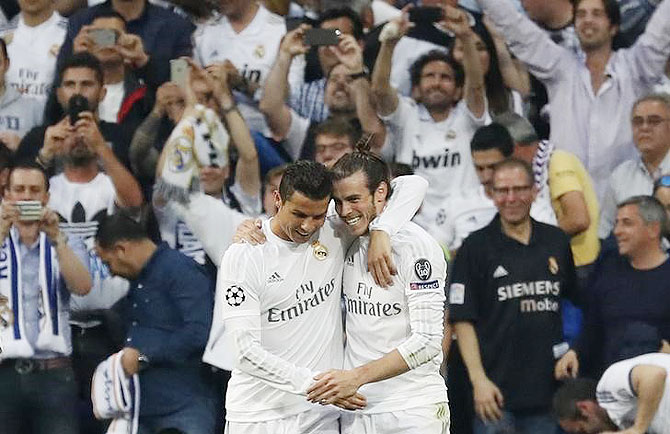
<point x="275" y="278"/>
<point x="500" y="272"/>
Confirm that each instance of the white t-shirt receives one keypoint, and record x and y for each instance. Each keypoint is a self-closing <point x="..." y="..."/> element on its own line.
<point x="615" y="393"/>
<point x="459" y="215"/>
<point x="438" y="151"/>
<point x="288" y="296"/>
<point x="408" y="316"/>
<point x="109" y="107"/>
<point x="278" y="305"/>
<point x="80" y="207"/>
<point x="253" y="52"/>
<point x="32" y="53"/>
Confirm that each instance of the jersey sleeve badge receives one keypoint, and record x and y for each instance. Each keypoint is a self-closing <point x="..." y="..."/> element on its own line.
<point x="423" y="269"/>
<point x="235" y="296"/>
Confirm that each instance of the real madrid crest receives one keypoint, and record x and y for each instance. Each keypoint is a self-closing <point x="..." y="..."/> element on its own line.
<point x="451" y="135"/>
<point x="259" y="51"/>
<point x="6" y="314"/>
<point x="553" y="265"/>
<point x="320" y="251"/>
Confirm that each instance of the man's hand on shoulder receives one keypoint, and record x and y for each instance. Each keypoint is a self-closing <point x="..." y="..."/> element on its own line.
<point x="250" y="230"/>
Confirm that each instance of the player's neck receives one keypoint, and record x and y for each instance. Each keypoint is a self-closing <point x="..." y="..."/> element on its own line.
<point x="439" y="115"/>
<point x="649" y="258"/>
<point x="81" y="174"/>
<point x="241" y="20"/>
<point x="518" y="231"/>
<point x="37" y="18"/>
<point x="597" y="58"/>
<point x="129" y="10"/>
<point x="276" y="229"/>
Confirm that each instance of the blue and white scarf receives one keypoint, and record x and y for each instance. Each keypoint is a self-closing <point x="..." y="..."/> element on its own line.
<point x="53" y="323"/>
<point x="116" y="396"/>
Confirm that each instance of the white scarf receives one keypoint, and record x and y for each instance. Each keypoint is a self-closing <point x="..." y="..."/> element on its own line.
<point x="52" y="326"/>
<point x="198" y="140"/>
<point x="116" y="396"/>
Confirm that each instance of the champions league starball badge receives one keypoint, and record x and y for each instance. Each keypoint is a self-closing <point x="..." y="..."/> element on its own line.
<point x="320" y="251"/>
<point x="235" y="296"/>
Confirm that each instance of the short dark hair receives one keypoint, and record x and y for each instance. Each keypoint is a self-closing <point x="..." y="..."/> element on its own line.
<point x="82" y="60"/>
<point x="492" y="136"/>
<point x="27" y="164"/>
<point x="612" y="11"/>
<point x="373" y="167"/>
<point x="338" y="126"/>
<point x="516" y="163"/>
<point x="6" y="156"/>
<point x="119" y="227"/>
<point x="564" y="405"/>
<point x="416" y="69"/>
<point x="273" y="173"/>
<point x="107" y="13"/>
<point x="344" y="12"/>
<point x="307" y="177"/>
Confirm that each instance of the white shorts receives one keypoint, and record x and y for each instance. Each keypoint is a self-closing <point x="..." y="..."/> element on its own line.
<point x="429" y="419"/>
<point x="318" y="421"/>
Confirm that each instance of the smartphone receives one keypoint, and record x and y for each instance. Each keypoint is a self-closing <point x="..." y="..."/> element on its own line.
<point x="103" y="37"/>
<point x="426" y="14"/>
<point x="75" y="106"/>
<point x="318" y="37"/>
<point x="179" y="72"/>
<point x="29" y="210"/>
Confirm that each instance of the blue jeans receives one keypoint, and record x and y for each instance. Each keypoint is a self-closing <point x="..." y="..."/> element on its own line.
<point x="518" y="423"/>
<point x="43" y="400"/>
<point x="197" y="418"/>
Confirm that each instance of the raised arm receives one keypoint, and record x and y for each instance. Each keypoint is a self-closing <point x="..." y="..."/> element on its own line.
<point x="275" y="91"/>
<point x="350" y="54"/>
<point x="514" y="74"/>
<point x="474" y="92"/>
<point x="247" y="172"/>
<point x="128" y="191"/>
<point x="526" y="40"/>
<point x="385" y="96"/>
<point x="649" y="55"/>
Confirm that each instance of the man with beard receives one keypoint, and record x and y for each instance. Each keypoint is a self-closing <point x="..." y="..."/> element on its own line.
<point x="433" y="132"/>
<point x="85" y="78"/>
<point x="81" y="195"/>
<point x="347" y="95"/>
<point x="590" y="93"/>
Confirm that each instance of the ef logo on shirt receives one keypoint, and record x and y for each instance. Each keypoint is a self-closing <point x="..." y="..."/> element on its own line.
<point x="235" y="296"/>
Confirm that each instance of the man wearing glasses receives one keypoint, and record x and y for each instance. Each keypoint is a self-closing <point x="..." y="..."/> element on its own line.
<point x="650" y="121"/>
<point x="504" y="303"/>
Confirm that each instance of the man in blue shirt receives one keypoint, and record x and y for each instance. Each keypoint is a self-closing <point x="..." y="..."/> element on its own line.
<point x="627" y="305"/>
<point x="170" y="305"/>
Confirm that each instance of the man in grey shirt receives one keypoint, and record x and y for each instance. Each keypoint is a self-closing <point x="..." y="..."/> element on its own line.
<point x="650" y="121"/>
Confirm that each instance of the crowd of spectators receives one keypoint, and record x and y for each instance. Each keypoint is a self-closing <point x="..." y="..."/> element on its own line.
<point x="542" y="128"/>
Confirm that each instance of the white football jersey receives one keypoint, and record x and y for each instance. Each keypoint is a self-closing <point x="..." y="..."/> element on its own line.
<point x="292" y="293"/>
<point x="80" y="207"/>
<point x="408" y="316"/>
<point x="615" y="394"/>
<point x="253" y="52"/>
<point x="32" y="53"/>
<point x="438" y="151"/>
